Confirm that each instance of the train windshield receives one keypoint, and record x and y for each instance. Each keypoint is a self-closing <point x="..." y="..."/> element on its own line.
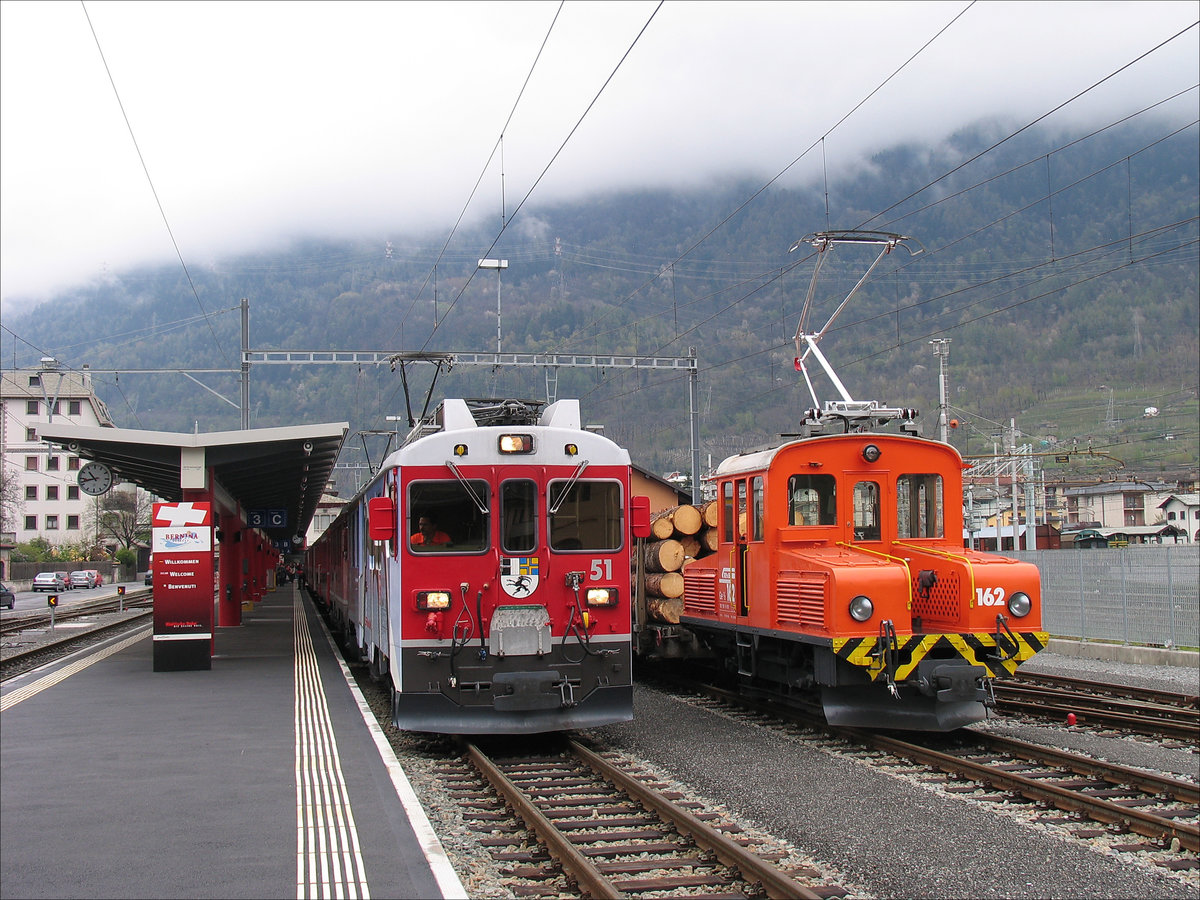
<point x="588" y="515"/>
<point x="448" y="516"/>
<point x="518" y="511"/>
<point x="866" y="511"/>
<point x="919" y="506"/>
<point x="812" y="500"/>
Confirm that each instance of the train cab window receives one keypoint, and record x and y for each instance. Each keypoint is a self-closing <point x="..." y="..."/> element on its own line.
<point x="812" y="500"/>
<point x="741" y="511"/>
<point x="518" y="511"/>
<point x="919" y="506"/>
<point x="756" y="507"/>
<point x="585" y="515"/>
<point x="866" y="511"/>
<point x="458" y="512"/>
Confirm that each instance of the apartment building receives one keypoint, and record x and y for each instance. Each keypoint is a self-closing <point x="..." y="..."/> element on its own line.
<point x="45" y="499"/>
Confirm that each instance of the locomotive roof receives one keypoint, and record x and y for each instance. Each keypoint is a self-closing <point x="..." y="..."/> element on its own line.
<point x="755" y="460"/>
<point x="456" y="418"/>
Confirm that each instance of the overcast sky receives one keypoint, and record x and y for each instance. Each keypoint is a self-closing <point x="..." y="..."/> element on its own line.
<point x="258" y="122"/>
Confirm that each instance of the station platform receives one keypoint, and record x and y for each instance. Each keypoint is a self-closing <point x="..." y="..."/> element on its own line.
<point x="263" y="777"/>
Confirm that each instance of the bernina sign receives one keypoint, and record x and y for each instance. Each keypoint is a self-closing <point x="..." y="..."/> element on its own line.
<point x="182" y="541"/>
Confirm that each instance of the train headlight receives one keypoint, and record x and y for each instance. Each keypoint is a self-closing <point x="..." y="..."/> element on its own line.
<point x="1019" y="604"/>
<point x="871" y="453"/>
<point x="861" y="608"/>
<point x="516" y="443"/>
<point x="602" y="597"/>
<point x="433" y="600"/>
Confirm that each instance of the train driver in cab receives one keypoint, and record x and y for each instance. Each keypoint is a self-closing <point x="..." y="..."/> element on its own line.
<point x="428" y="533"/>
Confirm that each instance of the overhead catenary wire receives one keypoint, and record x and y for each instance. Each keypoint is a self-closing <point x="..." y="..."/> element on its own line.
<point x="150" y="181"/>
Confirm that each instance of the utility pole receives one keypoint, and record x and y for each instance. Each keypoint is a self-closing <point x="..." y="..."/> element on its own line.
<point x="941" y="346"/>
<point x="245" y="378"/>
<point x="499" y="265"/>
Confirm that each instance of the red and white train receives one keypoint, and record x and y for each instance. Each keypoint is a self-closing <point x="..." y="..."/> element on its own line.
<point x="509" y="612"/>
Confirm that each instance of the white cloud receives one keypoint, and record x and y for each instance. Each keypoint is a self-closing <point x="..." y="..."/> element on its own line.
<point x="257" y="121"/>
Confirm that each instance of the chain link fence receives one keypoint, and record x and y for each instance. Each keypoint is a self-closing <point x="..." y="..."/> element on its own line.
<point x="1141" y="594"/>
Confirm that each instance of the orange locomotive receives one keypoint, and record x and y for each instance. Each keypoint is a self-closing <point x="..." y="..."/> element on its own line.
<point x="840" y="567"/>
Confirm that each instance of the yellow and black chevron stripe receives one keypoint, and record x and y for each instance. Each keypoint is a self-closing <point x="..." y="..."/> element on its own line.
<point x="975" y="649"/>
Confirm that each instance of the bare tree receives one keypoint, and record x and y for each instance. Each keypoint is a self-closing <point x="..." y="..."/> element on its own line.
<point x="12" y="504"/>
<point x="122" y="517"/>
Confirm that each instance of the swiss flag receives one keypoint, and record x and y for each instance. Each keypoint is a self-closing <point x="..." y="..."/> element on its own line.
<point x="182" y="515"/>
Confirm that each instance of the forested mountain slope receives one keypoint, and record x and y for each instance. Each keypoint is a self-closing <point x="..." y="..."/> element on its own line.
<point x="1062" y="268"/>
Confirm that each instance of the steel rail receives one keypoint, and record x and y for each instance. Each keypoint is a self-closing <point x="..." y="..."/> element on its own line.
<point x="1126" y="691"/>
<point x="1168" y="721"/>
<point x="1114" y="773"/>
<point x="92" y="606"/>
<point x="1144" y="823"/>
<point x="575" y="864"/>
<point x="61" y="645"/>
<point x="751" y="866"/>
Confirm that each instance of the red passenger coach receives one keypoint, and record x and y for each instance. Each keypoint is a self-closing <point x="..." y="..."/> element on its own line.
<point x="484" y="571"/>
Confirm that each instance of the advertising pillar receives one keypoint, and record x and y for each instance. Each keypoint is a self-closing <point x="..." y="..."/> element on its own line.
<point x="183" y="586"/>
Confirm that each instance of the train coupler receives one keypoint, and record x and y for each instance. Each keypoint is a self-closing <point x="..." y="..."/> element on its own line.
<point x="948" y="681"/>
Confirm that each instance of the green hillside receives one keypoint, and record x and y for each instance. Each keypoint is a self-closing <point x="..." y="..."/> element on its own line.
<point x="1064" y="274"/>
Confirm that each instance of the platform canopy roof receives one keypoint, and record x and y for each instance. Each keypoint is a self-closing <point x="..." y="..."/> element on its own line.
<point x="260" y="469"/>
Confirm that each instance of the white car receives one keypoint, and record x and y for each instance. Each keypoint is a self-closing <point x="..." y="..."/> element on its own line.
<point x="49" y="581"/>
<point x="83" y="579"/>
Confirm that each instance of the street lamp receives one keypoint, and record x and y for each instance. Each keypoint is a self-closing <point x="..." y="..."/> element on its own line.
<point x="496" y="264"/>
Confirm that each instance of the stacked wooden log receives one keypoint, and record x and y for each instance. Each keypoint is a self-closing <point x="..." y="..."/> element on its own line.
<point x="677" y="536"/>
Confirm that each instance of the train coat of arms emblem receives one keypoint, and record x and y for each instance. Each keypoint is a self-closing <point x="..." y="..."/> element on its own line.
<point x="519" y="575"/>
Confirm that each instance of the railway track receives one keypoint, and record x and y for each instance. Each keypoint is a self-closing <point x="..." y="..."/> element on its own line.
<point x="1140" y="710"/>
<point x="24" y="620"/>
<point x="607" y="831"/>
<point x="1163" y="809"/>
<point x="42" y="647"/>
<point x="1090" y="798"/>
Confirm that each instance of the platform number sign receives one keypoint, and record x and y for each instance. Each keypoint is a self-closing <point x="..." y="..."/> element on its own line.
<point x="267" y="518"/>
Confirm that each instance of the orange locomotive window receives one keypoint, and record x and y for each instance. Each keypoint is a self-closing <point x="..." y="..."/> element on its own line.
<point x="812" y="500"/>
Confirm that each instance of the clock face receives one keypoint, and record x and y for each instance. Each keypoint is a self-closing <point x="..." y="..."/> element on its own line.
<point x="95" y="478"/>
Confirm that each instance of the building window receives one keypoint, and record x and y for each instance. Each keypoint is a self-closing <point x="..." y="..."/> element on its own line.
<point x="73" y="463"/>
<point x="31" y="407"/>
<point x="1134" y="508"/>
<point x="1171" y="516"/>
<point x="75" y="407"/>
<point x="54" y="407"/>
<point x="52" y="492"/>
<point x="31" y="523"/>
<point x="52" y="523"/>
<point x="31" y="492"/>
<point x="72" y="523"/>
<point x="72" y="492"/>
<point x="31" y="434"/>
<point x="52" y="464"/>
<point x="35" y="381"/>
<point x="31" y="464"/>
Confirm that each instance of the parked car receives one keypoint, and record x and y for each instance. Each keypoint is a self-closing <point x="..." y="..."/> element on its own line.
<point x="49" y="581"/>
<point x="83" y="578"/>
<point x="8" y="597"/>
<point x="149" y="576"/>
<point x="66" y="576"/>
<point x="97" y="576"/>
